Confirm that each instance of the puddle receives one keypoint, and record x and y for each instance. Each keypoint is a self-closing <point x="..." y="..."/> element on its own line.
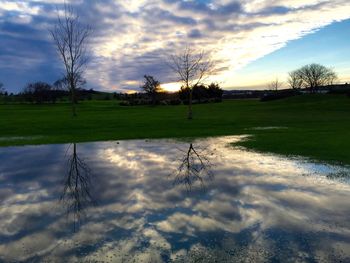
<point x="21" y="138"/>
<point x="170" y="201"/>
<point x="267" y="128"/>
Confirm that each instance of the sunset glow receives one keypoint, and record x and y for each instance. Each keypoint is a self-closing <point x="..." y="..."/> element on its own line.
<point x="171" y="87"/>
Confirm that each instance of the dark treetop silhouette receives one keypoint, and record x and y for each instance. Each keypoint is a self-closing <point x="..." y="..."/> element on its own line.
<point x="2" y="90"/>
<point x="312" y="76"/>
<point x="152" y="87"/>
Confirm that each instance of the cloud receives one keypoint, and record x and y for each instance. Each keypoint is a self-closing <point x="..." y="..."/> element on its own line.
<point x="133" y="38"/>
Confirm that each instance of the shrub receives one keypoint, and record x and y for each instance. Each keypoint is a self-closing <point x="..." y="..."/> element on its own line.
<point x="175" y="102"/>
<point x="124" y="103"/>
<point x="276" y="95"/>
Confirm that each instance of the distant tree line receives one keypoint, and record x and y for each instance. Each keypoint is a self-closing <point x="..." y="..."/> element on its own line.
<point x="4" y="95"/>
<point x="42" y="92"/>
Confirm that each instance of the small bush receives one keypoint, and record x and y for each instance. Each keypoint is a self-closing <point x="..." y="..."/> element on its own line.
<point x="124" y="103"/>
<point x="175" y="102"/>
<point x="279" y="95"/>
<point x="339" y="91"/>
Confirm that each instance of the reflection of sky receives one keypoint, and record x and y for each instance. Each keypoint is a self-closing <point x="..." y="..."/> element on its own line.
<point x="256" y="206"/>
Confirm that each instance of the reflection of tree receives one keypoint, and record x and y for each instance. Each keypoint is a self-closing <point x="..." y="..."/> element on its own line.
<point x="194" y="167"/>
<point x="77" y="184"/>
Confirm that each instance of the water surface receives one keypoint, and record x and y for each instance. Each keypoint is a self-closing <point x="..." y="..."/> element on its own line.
<point x="170" y="201"/>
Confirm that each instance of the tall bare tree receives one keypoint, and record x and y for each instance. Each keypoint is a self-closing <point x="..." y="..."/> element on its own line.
<point x="192" y="68"/>
<point x="70" y="37"/>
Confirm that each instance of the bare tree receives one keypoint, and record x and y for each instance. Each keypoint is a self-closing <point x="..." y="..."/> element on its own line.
<point x="294" y="80"/>
<point x="70" y="38"/>
<point x="194" y="166"/>
<point x="76" y="194"/>
<point x="316" y="75"/>
<point x="274" y="85"/>
<point x="192" y="68"/>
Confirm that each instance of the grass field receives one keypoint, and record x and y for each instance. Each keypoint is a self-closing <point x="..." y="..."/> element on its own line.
<point x="316" y="126"/>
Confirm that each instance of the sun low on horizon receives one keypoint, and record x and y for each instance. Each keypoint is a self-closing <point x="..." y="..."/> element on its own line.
<point x="251" y="42"/>
<point x="171" y="87"/>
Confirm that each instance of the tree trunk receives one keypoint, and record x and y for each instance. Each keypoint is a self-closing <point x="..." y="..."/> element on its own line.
<point x="154" y="99"/>
<point x="312" y="89"/>
<point x="190" y="106"/>
<point x="74" y="111"/>
<point x="74" y="150"/>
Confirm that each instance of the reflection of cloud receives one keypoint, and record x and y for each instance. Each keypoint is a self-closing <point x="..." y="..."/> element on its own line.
<point x="27" y="247"/>
<point x="188" y="225"/>
<point x="254" y="206"/>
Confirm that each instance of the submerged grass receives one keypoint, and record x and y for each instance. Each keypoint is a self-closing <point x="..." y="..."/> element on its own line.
<point x="315" y="126"/>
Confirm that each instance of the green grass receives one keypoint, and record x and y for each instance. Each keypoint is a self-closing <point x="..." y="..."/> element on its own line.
<point x="317" y="125"/>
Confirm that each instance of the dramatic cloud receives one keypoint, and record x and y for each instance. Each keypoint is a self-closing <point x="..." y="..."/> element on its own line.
<point x="134" y="37"/>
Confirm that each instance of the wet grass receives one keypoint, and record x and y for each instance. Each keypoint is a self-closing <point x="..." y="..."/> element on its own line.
<point x="315" y="126"/>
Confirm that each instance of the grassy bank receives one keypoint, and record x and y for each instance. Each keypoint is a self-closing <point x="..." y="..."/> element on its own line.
<point x="316" y="126"/>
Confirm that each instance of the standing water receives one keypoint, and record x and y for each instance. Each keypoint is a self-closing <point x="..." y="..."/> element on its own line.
<point x="170" y="201"/>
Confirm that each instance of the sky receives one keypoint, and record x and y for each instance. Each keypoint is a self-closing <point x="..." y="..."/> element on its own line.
<point x="251" y="42"/>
